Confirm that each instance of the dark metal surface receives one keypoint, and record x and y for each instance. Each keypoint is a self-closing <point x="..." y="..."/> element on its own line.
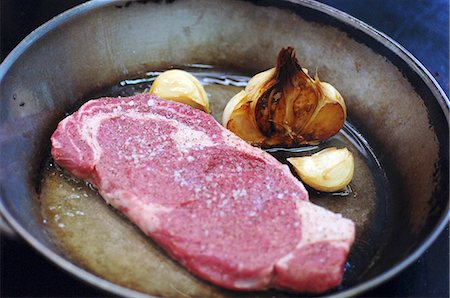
<point x="427" y="277"/>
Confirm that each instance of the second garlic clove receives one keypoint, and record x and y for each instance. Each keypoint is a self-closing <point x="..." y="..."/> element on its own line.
<point x="328" y="170"/>
<point x="180" y="86"/>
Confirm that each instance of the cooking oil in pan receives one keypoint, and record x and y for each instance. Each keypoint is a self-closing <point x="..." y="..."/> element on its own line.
<point x="102" y="241"/>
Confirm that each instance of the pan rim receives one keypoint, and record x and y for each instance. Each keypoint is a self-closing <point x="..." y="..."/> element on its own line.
<point x="384" y="39"/>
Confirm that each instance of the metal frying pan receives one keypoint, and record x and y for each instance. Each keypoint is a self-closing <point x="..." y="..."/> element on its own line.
<point x="36" y="74"/>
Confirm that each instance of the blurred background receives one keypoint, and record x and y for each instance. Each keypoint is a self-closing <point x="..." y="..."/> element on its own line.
<point x="420" y="26"/>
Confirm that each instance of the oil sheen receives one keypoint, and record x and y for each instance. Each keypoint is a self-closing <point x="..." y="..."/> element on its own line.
<point x="99" y="239"/>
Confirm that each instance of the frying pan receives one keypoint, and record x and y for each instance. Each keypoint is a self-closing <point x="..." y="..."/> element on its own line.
<point x="402" y="111"/>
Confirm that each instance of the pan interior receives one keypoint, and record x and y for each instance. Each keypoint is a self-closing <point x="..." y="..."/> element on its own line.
<point x="95" y="236"/>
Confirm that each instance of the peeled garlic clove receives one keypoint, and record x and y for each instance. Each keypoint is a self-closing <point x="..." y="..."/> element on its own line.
<point x="328" y="170"/>
<point x="236" y="118"/>
<point x="179" y="85"/>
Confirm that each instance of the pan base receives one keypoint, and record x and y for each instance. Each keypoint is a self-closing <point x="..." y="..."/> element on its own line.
<point x="102" y="241"/>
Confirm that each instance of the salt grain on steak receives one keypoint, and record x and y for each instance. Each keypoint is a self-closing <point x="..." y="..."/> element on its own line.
<point x="227" y="211"/>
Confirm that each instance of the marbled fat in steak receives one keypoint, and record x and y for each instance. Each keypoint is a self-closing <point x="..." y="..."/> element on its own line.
<point x="229" y="212"/>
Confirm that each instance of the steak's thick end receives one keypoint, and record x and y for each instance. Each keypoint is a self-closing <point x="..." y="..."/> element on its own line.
<point x="318" y="261"/>
<point x="227" y="211"/>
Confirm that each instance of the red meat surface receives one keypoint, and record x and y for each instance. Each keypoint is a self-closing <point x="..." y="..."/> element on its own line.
<point x="229" y="212"/>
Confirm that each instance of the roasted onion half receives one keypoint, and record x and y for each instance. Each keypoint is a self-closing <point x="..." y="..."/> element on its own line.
<point x="285" y="106"/>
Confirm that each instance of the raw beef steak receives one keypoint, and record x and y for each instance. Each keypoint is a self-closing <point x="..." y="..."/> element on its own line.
<point x="229" y="212"/>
